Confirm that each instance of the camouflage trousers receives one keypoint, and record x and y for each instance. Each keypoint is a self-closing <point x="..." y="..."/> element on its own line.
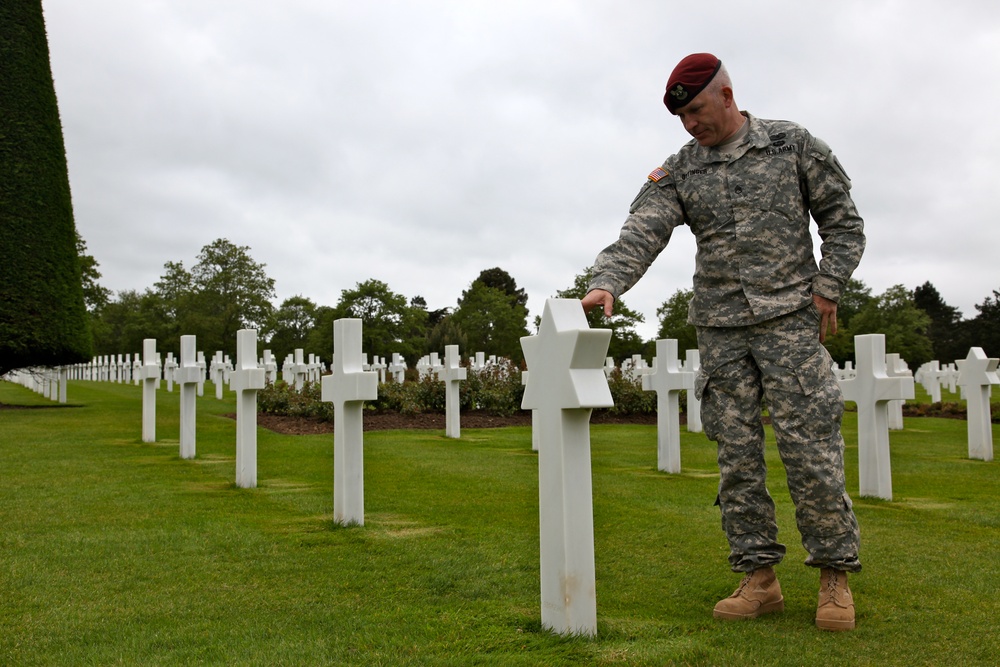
<point x="782" y="363"/>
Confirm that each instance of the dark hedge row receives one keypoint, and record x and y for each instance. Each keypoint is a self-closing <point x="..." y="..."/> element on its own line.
<point x="495" y="391"/>
<point x="43" y="321"/>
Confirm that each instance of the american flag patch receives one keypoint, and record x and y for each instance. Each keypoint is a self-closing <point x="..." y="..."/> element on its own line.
<point x="657" y="174"/>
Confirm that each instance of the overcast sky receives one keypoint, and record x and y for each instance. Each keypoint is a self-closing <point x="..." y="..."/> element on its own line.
<point x="420" y="142"/>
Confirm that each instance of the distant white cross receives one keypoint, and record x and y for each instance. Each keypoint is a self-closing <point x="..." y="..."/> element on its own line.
<point x="896" y="367"/>
<point x="188" y="377"/>
<point x="668" y="381"/>
<point x="347" y="388"/>
<point x="692" y="363"/>
<point x="246" y="380"/>
<point x="299" y="369"/>
<point x="566" y="381"/>
<point x="872" y="388"/>
<point x="977" y="375"/>
<point x="452" y="373"/>
<point x="150" y="383"/>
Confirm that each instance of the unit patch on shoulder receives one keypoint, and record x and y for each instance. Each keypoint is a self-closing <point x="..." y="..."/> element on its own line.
<point x="657" y="174"/>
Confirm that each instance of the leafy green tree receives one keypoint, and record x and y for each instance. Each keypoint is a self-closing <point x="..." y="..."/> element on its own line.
<point x="948" y="333"/>
<point x="984" y="328"/>
<point x="95" y="296"/>
<point x="319" y="340"/>
<point x="625" y="341"/>
<point x="492" y="320"/>
<point x="673" y="321"/>
<point x="383" y="315"/>
<point x="415" y="329"/>
<point x="229" y="291"/>
<point x="290" y="327"/>
<point x="43" y="318"/>
<point x="447" y="332"/>
<point x="895" y="315"/>
<point x="169" y="309"/>
<point x="116" y="322"/>
<point x="503" y="281"/>
<point x="855" y="298"/>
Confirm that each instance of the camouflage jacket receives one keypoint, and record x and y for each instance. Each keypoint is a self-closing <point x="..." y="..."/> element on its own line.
<point x="749" y="213"/>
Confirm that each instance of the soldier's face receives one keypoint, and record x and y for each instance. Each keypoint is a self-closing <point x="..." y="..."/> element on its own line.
<point x="705" y="118"/>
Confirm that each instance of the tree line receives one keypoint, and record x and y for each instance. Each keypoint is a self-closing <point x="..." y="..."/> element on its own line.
<point x="227" y="290"/>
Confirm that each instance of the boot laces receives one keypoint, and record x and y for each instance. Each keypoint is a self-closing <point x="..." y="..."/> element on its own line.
<point x="833" y="586"/>
<point x="744" y="583"/>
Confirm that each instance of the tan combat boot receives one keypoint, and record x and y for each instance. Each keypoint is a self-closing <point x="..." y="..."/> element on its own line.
<point x="836" y="604"/>
<point x="758" y="593"/>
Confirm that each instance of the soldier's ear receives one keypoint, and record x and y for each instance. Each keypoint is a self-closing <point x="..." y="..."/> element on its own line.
<point x="727" y="96"/>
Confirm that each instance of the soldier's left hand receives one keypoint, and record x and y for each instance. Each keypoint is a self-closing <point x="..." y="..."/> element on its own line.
<point x="827" y="316"/>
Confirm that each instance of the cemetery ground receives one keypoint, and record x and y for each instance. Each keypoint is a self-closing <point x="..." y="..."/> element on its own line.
<point x="117" y="552"/>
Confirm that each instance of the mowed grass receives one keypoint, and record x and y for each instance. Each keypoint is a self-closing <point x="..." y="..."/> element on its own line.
<point x="117" y="552"/>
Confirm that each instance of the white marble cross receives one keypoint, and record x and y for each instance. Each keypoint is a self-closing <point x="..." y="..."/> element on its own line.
<point x="218" y="373"/>
<point x="668" y="381"/>
<point x="63" y="380"/>
<point x="896" y="367"/>
<point x="169" y="366"/>
<point x="270" y="367"/>
<point x="150" y="382"/>
<point x="136" y="370"/>
<point x="347" y="388"/>
<point x="930" y="379"/>
<point x="202" y="368"/>
<point x="452" y="373"/>
<point x="566" y="381"/>
<point x="423" y="366"/>
<point x="949" y="376"/>
<point x="379" y="366"/>
<point x="398" y="368"/>
<point x="188" y="377"/>
<point x="246" y="381"/>
<point x="299" y="369"/>
<point x="872" y="388"/>
<point x="692" y="363"/>
<point x="977" y="375"/>
<point x="536" y="429"/>
<point x="436" y="365"/>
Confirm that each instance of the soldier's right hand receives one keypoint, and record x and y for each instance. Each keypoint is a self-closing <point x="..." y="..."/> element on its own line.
<point x="598" y="297"/>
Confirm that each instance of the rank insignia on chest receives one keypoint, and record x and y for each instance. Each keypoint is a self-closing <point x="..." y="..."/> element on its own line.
<point x="657" y="174"/>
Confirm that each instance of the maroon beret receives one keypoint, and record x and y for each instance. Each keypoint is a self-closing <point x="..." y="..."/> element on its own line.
<point x="689" y="78"/>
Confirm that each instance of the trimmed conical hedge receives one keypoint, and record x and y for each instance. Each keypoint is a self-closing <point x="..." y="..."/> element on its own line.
<point x="43" y="321"/>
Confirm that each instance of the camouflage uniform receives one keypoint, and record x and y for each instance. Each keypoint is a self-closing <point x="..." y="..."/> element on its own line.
<point x="755" y="275"/>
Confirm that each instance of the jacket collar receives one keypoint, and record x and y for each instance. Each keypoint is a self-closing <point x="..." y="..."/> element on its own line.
<point x="756" y="137"/>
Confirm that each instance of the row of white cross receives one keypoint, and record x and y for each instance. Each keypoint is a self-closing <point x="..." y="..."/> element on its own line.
<point x="567" y="380"/>
<point x="347" y="387"/>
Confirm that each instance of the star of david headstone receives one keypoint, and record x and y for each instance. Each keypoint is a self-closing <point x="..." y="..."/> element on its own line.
<point x="565" y="382"/>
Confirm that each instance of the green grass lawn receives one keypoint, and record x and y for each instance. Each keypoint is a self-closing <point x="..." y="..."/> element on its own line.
<point x="117" y="552"/>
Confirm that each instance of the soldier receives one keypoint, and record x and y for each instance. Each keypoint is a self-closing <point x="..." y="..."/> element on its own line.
<point x="762" y="308"/>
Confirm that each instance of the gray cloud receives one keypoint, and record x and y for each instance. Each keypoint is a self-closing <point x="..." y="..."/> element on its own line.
<point x="421" y="142"/>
